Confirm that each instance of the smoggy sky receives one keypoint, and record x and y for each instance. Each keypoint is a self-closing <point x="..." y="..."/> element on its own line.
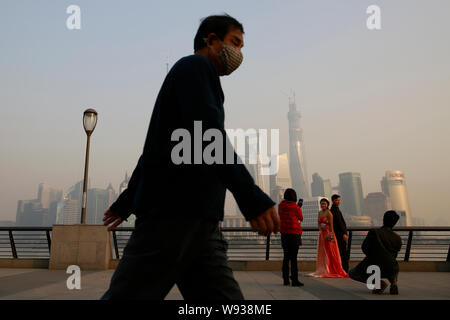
<point x="371" y="101"/>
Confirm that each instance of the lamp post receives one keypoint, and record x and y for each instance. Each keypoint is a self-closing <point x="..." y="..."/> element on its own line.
<point x="89" y="123"/>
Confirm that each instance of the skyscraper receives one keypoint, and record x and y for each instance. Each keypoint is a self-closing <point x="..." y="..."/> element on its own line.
<point x="97" y="204"/>
<point x="393" y="185"/>
<point x="47" y="195"/>
<point x="317" y="187"/>
<point x="124" y="184"/>
<point x="280" y="181"/>
<point x="30" y="213"/>
<point x="299" y="175"/>
<point x="310" y="210"/>
<point x="71" y="213"/>
<point x="327" y="188"/>
<point x="111" y="194"/>
<point x="36" y="212"/>
<point x="376" y="204"/>
<point x="350" y="188"/>
<point x="252" y="151"/>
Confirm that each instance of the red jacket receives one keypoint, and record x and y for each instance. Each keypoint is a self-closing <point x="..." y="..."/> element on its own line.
<point x="290" y="214"/>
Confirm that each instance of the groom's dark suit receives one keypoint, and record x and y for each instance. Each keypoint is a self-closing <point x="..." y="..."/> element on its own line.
<point x="340" y="228"/>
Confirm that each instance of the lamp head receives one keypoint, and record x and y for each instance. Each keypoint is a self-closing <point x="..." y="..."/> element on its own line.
<point x="89" y="121"/>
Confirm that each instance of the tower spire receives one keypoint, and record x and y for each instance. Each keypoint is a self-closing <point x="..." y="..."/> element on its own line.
<point x="298" y="171"/>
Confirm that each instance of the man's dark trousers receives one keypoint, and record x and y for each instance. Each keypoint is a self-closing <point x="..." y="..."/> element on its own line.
<point x="186" y="251"/>
<point x="290" y="244"/>
<point x="343" y="252"/>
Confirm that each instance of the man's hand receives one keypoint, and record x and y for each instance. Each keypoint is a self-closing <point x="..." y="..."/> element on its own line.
<point x="111" y="217"/>
<point x="266" y="223"/>
<point x="345" y="237"/>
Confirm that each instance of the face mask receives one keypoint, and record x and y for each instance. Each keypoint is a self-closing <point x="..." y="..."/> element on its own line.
<point x="230" y="57"/>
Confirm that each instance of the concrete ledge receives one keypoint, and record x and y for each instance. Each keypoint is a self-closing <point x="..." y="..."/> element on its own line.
<point x="24" y="263"/>
<point x="87" y="246"/>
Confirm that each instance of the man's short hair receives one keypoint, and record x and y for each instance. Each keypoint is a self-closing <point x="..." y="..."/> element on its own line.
<point x="334" y="197"/>
<point x="218" y="24"/>
<point x="390" y="218"/>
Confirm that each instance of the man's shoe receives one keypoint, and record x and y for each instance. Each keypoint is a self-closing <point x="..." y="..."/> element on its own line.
<point x="286" y="283"/>
<point x="297" y="284"/>
<point x="381" y="290"/>
<point x="393" y="289"/>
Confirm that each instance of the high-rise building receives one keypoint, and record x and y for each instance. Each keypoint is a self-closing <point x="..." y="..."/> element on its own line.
<point x="321" y="187"/>
<point x="124" y="184"/>
<point x="376" y="204"/>
<point x="310" y="211"/>
<point x="111" y="194"/>
<point x="317" y="187"/>
<point x="36" y="212"/>
<point x="393" y="185"/>
<point x="252" y="144"/>
<point x="327" y="188"/>
<point x="297" y="164"/>
<point x="47" y="195"/>
<point x="75" y="192"/>
<point x="350" y="188"/>
<point x="97" y="204"/>
<point x="52" y="214"/>
<point x="280" y="181"/>
<point x="71" y="212"/>
<point x="60" y="211"/>
<point x="30" y="213"/>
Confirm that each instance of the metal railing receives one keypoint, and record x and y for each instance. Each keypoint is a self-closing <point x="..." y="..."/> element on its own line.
<point x="419" y="243"/>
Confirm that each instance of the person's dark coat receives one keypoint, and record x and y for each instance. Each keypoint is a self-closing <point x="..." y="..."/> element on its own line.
<point x="339" y="225"/>
<point x="381" y="247"/>
<point x="191" y="92"/>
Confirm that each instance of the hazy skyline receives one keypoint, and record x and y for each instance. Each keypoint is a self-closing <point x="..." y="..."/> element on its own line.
<point x="370" y="101"/>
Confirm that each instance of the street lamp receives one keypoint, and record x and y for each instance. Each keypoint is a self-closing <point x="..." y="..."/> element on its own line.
<point x="89" y="123"/>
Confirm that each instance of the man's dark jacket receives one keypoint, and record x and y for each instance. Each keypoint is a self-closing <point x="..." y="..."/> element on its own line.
<point x="190" y="92"/>
<point x="381" y="247"/>
<point x="339" y="225"/>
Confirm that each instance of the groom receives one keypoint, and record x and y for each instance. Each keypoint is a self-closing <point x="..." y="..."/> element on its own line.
<point x="340" y="230"/>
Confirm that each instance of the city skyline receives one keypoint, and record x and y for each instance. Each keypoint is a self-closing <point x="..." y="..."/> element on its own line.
<point x="367" y="202"/>
<point x="371" y="101"/>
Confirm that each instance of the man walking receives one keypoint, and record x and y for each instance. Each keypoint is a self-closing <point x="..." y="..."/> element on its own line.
<point x="178" y="206"/>
<point x="340" y="230"/>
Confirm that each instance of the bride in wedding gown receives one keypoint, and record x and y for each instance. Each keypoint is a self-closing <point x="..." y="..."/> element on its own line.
<point x="328" y="263"/>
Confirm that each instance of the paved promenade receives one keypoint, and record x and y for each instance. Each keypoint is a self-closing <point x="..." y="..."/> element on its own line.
<point x="261" y="285"/>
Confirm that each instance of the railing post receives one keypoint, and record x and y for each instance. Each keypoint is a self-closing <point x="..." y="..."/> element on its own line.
<point x="349" y="244"/>
<point x="49" y="241"/>
<point x="268" y="247"/>
<point x="13" y="245"/>
<point x="116" y="248"/>
<point x="408" y="246"/>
